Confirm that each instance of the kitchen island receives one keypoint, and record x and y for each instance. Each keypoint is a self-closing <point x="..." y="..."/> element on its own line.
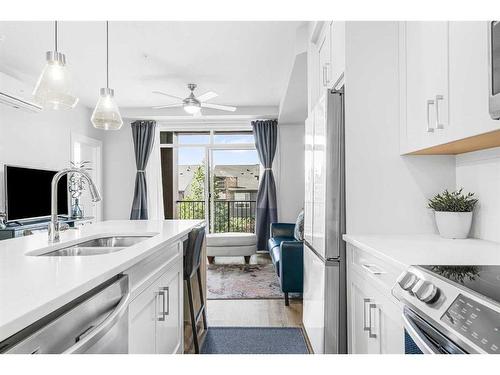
<point x="33" y="286"/>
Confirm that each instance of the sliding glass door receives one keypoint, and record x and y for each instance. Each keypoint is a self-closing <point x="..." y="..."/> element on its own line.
<point x="234" y="176"/>
<point x="216" y="178"/>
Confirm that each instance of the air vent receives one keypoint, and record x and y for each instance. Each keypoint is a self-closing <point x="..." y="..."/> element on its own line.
<point x="15" y="94"/>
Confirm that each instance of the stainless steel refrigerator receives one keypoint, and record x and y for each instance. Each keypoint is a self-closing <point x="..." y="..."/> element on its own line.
<point x="324" y="313"/>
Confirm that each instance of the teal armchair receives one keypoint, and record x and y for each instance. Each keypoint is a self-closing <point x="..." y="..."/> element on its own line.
<point x="287" y="255"/>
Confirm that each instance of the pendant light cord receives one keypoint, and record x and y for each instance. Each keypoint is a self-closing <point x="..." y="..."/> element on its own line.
<point x="107" y="54"/>
<point x="55" y="34"/>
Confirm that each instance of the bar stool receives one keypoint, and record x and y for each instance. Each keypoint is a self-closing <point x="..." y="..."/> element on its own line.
<point x="192" y="261"/>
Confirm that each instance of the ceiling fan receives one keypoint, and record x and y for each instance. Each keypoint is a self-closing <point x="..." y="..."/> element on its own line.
<point x="193" y="104"/>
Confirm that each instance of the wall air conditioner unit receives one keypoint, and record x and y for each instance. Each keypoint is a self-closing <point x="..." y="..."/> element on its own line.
<point x="14" y="93"/>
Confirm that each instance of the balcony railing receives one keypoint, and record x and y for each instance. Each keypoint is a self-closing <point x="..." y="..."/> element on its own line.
<point x="229" y="215"/>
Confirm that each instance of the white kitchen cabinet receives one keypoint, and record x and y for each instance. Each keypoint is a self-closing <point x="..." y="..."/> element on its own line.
<point x="168" y="330"/>
<point x="468" y="50"/>
<point x="313" y="309"/>
<point x="424" y="84"/>
<point x="325" y="57"/>
<point x="155" y="315"/>
<point x="142" y="321"/>
<point x="338" y="51"/>
<point x="444" y="87"/>
<point x="375" y="323"/>
<point x="359" y="300"/>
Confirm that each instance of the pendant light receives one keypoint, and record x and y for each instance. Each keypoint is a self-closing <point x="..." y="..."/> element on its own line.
<point x="106" y="114"/>
<point x="53" y="89"/>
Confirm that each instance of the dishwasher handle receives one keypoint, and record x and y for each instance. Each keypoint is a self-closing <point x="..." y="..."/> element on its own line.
<point x="90" y="337"/>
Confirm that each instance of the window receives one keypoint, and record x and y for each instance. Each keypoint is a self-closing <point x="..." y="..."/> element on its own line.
<point x="193" y="138"/>
<point x="215" y="177"/>
<point x="233" y="138"/>
<point x="166" y="138"/>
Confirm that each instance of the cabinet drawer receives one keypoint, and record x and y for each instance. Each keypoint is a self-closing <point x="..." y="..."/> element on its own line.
<point x="142" y="274"/>
<point x="375" y="268"/>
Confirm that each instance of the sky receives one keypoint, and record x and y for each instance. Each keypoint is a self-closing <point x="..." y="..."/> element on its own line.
<point x="196" y="155"/>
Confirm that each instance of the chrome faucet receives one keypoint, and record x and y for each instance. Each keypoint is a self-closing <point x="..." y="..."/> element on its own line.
<point x="54" y="225"/>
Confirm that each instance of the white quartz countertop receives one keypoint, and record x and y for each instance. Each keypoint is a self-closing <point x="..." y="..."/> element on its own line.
<point x="428" y="249"/>
<point x="33" y="286"/>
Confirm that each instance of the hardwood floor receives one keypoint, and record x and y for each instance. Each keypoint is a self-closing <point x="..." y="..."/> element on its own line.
<point x="251" y="312"/>
<point x="254" y="313"/>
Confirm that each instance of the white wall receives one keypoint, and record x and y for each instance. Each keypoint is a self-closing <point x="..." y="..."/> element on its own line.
<point x="40" y="140"/>
<point x="479" y="172"/>
<point x="386" y="193"/>
<point x="288" y="169"/>
<point x="120" y="171"/>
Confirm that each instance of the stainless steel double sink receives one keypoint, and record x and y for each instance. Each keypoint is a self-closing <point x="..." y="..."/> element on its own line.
<point x="98" y="246"/>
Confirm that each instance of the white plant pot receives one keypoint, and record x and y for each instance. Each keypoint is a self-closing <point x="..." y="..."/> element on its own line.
<point x="453" y="224"/>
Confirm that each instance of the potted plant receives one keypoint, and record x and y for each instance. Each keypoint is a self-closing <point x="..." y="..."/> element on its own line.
<point x="76" y="187"/>
<point x="453" y="213"/>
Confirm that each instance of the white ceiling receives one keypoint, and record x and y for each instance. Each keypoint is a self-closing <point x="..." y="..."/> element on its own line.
<point x="246" y="63"/>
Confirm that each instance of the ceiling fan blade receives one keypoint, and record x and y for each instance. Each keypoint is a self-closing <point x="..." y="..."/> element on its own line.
<point x="167" y="106"/>
<point x="207" y="96"/>
<point x="165" y="94"/>
<point x="219" y="107"/>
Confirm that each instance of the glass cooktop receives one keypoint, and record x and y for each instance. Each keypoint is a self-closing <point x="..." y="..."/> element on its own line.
<point x="484" y="280"/>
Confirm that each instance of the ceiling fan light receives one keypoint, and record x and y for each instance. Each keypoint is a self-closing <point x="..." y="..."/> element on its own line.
<point x="106" y="114"/>
<point x="53" y="89"/>
<point x="192" y="108"/>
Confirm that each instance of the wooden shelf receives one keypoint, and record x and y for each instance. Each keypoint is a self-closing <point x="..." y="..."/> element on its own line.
<point x="474" y="143"/>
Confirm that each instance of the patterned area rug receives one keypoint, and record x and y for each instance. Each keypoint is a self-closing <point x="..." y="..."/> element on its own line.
<point x="242" y="281"/>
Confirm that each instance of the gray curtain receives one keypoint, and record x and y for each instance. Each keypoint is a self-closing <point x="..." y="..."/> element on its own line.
<point x="266" y="136"/>
<point x="143" y="134"/>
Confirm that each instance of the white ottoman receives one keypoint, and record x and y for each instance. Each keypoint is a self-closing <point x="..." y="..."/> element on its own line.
<point x="231" y="245"/>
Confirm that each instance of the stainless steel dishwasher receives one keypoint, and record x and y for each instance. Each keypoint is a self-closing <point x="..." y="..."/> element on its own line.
<point x="96" y="322"/>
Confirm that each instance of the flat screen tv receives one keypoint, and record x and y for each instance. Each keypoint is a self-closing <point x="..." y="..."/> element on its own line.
<point x="27" y="193"/>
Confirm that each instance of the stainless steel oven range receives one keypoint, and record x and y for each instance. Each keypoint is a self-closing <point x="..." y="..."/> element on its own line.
<point x="450" y="309"/>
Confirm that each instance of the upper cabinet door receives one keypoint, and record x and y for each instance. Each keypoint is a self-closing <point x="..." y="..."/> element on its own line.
<point x="325" y="59"/>
<point x="338" y="50"/>
<point x="424" y="73"/>
<point x="469" y="79"/>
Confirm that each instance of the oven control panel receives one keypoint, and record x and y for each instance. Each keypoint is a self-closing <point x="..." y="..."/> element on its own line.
<point x="478" y="323"/>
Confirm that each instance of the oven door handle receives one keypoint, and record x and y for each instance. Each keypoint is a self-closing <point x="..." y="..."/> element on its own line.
<point x="422" y="342"/>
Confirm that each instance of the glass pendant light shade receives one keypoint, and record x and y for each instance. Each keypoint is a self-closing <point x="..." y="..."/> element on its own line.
<point x="54" y="87"/>
<point x="106" y="114"/>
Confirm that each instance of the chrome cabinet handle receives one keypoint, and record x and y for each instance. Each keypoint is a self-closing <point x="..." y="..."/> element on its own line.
<point x="165" y="300"/>
<point x="439" y="125"/>
<point x="326" y="69"/>
<point x="167" y="311"/>
<point x="370" y="333"/>
<point x="373" y="269"/>
<point x="366" y="327"/>
<point x="429" y="128"/>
